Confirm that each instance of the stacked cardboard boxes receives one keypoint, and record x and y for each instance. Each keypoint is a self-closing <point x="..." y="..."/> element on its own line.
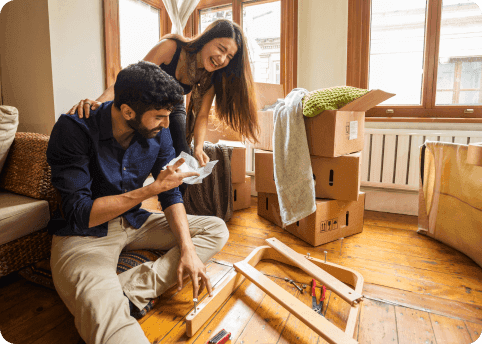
<point x="335" y="141"/>
<point x="241" y="183"/>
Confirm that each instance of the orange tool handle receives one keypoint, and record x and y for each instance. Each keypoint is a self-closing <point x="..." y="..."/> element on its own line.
<point x="313" y="287"/>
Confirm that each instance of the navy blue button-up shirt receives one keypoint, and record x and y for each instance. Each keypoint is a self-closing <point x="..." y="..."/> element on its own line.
<point x="87" y="163"/>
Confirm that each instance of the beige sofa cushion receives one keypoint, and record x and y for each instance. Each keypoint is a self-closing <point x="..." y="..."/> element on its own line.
<point x="8" y="128"/>
<point x="21" y="215"/>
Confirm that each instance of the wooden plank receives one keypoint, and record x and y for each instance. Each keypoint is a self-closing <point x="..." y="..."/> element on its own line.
<point x="169" y="312"/>
<point x="475" y="330"/>
<point x="391" y="220"/>
<point x="449" y="330"/>
<point x="345" y="292"/>
<point x="435" y="305"/>
<point x="295" y="331"/>
<point x="35" y="327"/>
<point x="377" y="323"/>
<point x="64" y="333"/>
<point x="267" y="323"/>
<point x="319" y="324"/>
<point x="413" y="326"/>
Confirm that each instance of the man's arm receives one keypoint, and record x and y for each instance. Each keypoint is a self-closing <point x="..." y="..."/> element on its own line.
<point x="109" y="207"/>
<point x="68" y="156"/>
<point x="189" y="261"/>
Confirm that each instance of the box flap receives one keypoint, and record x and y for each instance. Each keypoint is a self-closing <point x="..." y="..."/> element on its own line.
<point x="268" y="94"/>
<point x="235" y="144"/>
<point x="366" y="102"/>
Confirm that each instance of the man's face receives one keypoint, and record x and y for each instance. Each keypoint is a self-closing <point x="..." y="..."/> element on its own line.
<point x="151" y="123"/>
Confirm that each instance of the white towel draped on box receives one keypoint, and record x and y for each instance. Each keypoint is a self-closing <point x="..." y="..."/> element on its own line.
<point x="291" y="157"/>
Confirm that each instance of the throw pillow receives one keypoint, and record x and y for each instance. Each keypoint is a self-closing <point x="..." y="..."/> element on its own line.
<point x="8" y="128"/>
<point x="332" y="98"/>
<point x="41" y="274"/>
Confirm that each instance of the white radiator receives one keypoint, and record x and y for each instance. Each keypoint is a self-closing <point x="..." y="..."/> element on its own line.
<point x="391" y="156"/>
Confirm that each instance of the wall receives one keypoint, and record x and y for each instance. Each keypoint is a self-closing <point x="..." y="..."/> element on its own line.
<point x="322" y="43"/>
<point x="26" y="63"/>
<point x="52" y="56"/>
<point x="77" y="51"/>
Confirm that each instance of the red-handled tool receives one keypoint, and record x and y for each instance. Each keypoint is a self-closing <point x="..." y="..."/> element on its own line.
<point x="322" y="299"/>
<point x="314" y="305"/>
<point x="317" y="307"/>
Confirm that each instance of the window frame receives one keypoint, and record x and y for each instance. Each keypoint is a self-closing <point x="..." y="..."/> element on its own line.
<point x="358" y="54"/>
<point x="289" y="33"/>
<point x="112" y="35"/>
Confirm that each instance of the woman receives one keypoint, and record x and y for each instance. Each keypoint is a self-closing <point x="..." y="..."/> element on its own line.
<point x="215" y="63"/>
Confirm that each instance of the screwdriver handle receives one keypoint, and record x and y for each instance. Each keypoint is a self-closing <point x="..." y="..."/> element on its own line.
<point x="313" y="286"/>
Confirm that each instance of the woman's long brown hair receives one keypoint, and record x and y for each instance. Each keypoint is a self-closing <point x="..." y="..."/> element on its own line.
<point x="233" y="85"/>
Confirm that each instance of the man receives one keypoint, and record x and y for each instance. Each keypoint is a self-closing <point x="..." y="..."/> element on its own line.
<point x="99" y="165"/>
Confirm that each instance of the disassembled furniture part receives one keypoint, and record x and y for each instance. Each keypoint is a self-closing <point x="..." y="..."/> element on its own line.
<point x="333" y="276"/>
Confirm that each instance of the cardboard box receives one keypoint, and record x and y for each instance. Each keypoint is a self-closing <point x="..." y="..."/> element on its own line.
<point x="335" y="178"/>
<point x="266" y="94"/>
<point x="333" y="132"/>
<point x="238" y="160"/>
<point x="217" y="130"/>
<point x="242" y="194"/>
<point x="332" y="220"/>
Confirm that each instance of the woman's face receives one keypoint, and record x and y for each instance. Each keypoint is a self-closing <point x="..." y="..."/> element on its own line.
<point x="217" y="53"/>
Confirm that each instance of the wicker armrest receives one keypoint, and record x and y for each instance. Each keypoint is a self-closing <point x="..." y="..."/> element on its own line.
<point x="26" y="171"/>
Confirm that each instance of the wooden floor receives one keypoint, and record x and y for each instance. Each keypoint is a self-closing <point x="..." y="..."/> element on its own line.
<point x="416" y="289"/>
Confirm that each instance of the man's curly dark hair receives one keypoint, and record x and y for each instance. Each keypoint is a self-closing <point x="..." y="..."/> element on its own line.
<point x="145" y="86"/>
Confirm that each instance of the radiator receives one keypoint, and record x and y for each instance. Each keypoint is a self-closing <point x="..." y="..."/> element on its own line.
<point x="390" y="158"/>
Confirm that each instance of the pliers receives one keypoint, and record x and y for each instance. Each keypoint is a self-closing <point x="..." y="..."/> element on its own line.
<point x="317" y="307"/>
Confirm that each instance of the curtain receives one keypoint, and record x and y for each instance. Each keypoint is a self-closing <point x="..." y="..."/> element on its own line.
<point x="179" y="12"/>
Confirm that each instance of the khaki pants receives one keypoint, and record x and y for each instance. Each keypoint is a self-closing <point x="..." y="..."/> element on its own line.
<point x="84" y="273"/>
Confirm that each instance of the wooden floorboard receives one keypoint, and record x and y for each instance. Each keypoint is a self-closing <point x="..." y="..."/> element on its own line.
<point x="417" y="290"/>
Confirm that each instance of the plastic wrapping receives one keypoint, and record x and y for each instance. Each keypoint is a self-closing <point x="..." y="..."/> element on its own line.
<point x="450" y="198"/>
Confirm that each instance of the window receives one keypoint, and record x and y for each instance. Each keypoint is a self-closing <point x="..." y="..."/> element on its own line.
<point x="271" y="31"/>
<point x="132" y="28"/>
<point x="428" y="52"/>
<point x="262" y="26"/>
<point x="139" y="26"/>
<point x="207" y="16"/>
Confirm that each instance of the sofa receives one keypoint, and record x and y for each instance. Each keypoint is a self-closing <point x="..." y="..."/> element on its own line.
<point x="27" y="202"/>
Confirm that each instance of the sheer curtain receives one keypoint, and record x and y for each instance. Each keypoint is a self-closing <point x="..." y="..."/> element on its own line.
<point x="179" y="12"/>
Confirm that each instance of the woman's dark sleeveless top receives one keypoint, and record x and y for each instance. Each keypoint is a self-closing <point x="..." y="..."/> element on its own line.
<point x="171" y="68"/>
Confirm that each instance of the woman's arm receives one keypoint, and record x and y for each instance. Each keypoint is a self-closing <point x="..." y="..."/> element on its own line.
<point x="200" y="127"/>
<point x="161" y="53"/>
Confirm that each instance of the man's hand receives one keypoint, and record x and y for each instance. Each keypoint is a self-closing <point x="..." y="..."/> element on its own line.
<point x="191" y="264"/>
<point x="172" y="177"/>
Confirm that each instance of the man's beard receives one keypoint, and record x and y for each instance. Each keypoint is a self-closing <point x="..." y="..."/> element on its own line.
<point x="141" y="129"/>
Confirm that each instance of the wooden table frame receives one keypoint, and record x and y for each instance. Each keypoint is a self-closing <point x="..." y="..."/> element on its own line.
<point x="332" y="275"/>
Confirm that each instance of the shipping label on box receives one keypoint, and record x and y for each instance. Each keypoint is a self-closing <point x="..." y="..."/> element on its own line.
<point x="335" y="178"/>
<point x="242" y="194"/>
<point x="332" y="220"/>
